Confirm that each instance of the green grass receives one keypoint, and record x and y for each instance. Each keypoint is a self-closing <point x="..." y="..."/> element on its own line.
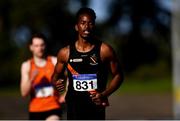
<point x="128" y="86"/>
<point x="146" y="86"/>
<point x="10" y="91"/>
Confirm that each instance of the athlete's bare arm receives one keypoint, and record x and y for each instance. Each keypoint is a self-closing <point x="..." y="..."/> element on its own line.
<point x="58" y="75"/>
<point x="26" y="82"/>
<point x="54" y="60"/>
<point x="108" y="56"/>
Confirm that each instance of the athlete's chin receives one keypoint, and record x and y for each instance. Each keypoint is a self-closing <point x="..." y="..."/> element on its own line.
<point x="86" y="37"/>
<point x="40" y="55"/>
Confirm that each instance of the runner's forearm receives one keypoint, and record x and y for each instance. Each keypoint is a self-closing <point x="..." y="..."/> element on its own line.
<point x="113" y="86"/>
<point x="54" y="77"/>
<point x="25" y="88"/>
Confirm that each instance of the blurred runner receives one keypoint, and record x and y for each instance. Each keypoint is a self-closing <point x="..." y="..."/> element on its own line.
<point x="88" y="61"/>
<point x="36" y="81"/>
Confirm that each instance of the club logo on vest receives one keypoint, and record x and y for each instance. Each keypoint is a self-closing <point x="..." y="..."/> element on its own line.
<point x="76" y="60"/>
<point x="93" y="60"/>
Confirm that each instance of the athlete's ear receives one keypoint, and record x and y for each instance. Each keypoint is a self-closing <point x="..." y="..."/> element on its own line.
<point x="76" y="28"/>
<point x="31" y="47"/>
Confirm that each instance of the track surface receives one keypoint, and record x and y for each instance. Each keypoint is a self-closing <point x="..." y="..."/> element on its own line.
<point x="124" y="106"/>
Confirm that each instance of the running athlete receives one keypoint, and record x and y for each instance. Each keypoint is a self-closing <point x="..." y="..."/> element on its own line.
<point x="88" y="61"/>
<point x="36" y="81"/>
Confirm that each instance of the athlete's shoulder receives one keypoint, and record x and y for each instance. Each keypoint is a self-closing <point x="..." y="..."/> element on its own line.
<point x="105" y="47"/>
<point x="106" y="51"/>
<point x="26" y="65"/>
<point x="64" y="50"/>
<point x="63" y="53"/>
<point x="53" y="59"/>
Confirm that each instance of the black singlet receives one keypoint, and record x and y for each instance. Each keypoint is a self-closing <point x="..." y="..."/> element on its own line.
<point x="89" y="67"/>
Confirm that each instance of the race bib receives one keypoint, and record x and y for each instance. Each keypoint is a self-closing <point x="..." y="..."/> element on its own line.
<point x="85" y="82"/>
<point x="44" y="92"/>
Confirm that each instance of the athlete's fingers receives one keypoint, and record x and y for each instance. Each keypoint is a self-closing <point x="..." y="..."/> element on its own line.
<point x="60" y="85"/>
<point x="60" y="81"/>
<point x="95" y="98"/>
<point x="92" y="95"/>
<point x="60" y="89"/>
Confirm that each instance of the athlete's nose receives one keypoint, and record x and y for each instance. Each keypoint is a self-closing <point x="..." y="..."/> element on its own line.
<point x="86" y="26"/>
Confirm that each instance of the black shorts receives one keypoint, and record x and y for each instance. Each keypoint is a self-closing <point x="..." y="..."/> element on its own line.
<point x="84" y="110"/>
<point x="44" y="115"/>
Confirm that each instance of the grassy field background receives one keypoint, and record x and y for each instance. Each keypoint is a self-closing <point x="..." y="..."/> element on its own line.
<point x="148" y="99"/>
<point x="136" y="86"/>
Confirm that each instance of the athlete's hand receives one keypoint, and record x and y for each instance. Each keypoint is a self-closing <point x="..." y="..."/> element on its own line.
<point x="59" y="84"/>
<point x="62" y="98"/>
<point x="98" y="99"/>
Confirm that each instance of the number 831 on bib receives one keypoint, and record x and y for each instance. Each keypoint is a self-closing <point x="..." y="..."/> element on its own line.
<point x="85" y="82"/>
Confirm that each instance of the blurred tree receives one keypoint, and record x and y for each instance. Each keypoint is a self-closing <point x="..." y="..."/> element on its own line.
<point x="138" y="30"/>
<point x="6" y="47"/>
<point x="143" y="42"/>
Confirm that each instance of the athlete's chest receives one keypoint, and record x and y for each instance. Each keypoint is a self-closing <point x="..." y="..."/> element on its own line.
<point x="90" y="59"/>
<point x="85" y="62"/>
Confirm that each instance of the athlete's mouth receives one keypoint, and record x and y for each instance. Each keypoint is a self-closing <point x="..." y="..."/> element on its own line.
<point x="86" y="32"/>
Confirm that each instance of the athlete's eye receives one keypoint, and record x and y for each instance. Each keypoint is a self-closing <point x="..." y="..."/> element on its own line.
<point x="82" y="22"/>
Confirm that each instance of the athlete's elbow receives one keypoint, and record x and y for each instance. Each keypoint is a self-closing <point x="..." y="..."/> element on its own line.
<point x="120" y="79"/>
<point x="24" y="93"/>
<point x="53" y="79"/>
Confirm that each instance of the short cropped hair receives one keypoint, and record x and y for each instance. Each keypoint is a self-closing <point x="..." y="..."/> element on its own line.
<point x="86" y="10"/>
<point x="38" y="35"/>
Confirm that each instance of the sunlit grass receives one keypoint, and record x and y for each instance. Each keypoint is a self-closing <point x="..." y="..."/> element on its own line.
<point x="10" y="91"/>
<point x="128" y="86"/>
<point x="146" y="86"/>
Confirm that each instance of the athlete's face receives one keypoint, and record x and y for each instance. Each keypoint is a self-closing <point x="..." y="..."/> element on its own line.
<point x="38" y="47"/>
<point x="85" y="26"/>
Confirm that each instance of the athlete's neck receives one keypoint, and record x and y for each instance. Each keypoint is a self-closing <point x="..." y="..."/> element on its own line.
<point x="83" y="45"/>
<point x="39" y="61"/>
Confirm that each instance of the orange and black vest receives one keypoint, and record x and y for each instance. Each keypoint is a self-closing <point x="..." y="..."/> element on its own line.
<point x="43" y="95"/>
